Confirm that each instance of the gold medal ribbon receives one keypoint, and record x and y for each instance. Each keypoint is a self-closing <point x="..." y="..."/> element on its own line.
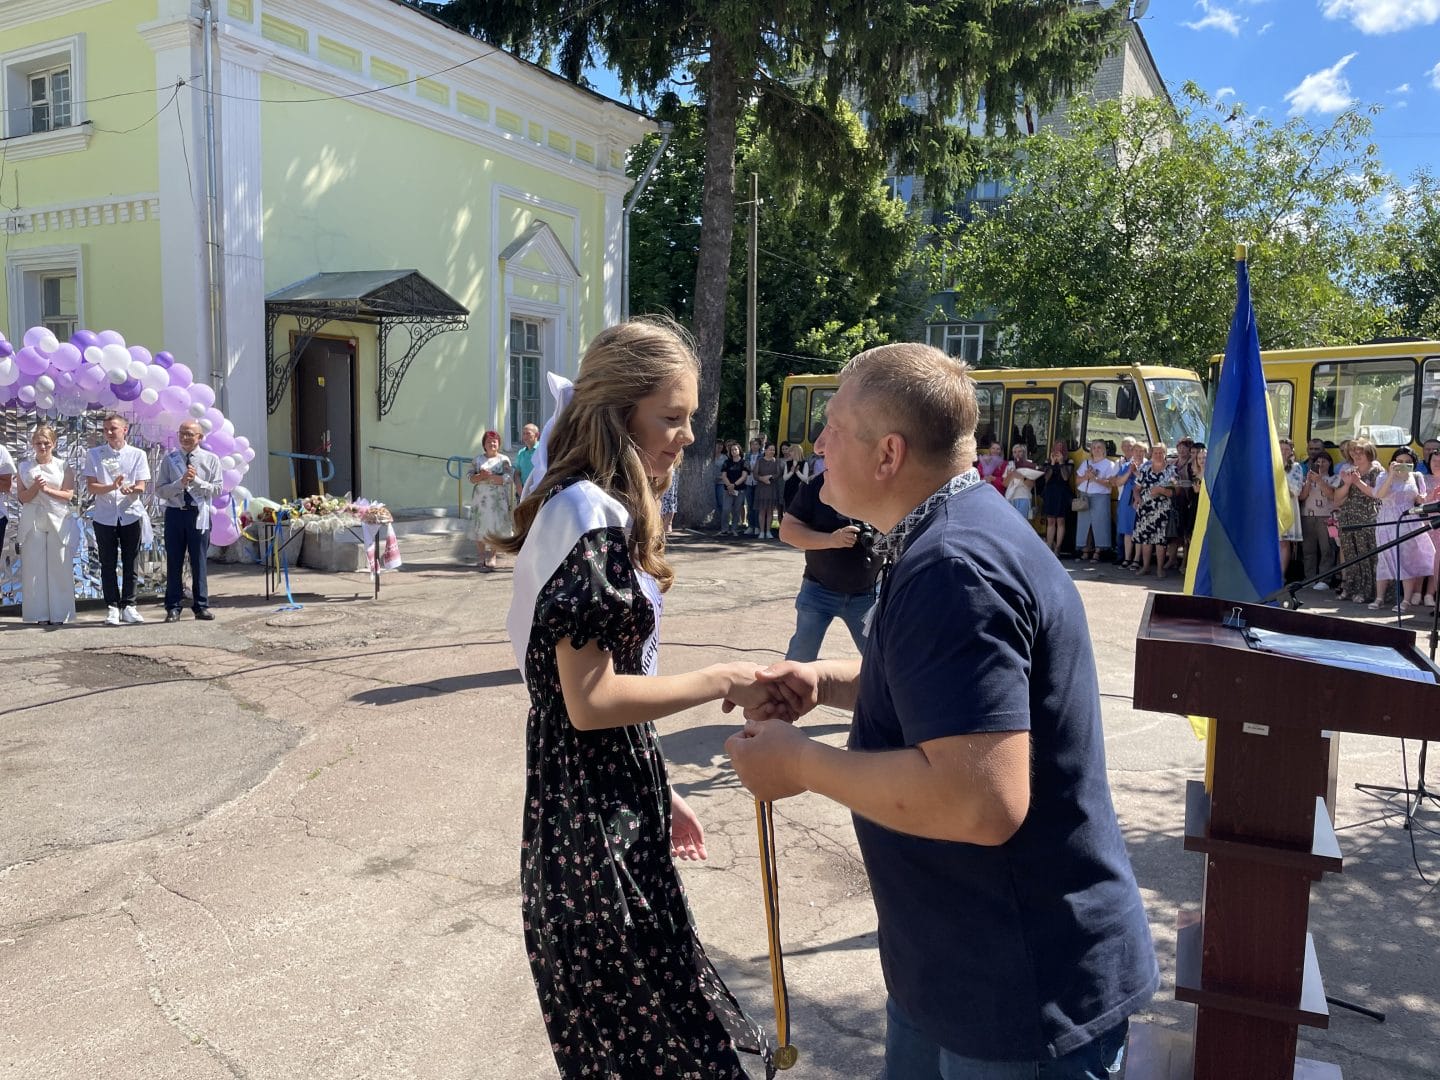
<point x="785" y="1055"/>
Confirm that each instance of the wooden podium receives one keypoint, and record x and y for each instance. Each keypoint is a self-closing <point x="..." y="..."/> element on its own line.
<point x="1249" y="963"/>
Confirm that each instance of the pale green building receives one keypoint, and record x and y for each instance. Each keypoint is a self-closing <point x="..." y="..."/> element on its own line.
<point x="410" y="227"/>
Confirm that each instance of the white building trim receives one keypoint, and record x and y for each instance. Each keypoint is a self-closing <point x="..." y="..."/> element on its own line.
<point x="17" y="13"/>
<point x="23" y="270"/>
<point x="86" y="213"/>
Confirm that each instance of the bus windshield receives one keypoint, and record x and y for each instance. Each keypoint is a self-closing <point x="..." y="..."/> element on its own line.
<point x="1180" y="409"/>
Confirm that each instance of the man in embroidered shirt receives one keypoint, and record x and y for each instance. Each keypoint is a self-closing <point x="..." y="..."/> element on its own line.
<point x="188" y="478"/>
<point x="1012" y="935"/>
<point x="116" y="474"/>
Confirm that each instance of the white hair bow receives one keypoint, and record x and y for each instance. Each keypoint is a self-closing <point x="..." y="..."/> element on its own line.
<point x="562" y="390"/>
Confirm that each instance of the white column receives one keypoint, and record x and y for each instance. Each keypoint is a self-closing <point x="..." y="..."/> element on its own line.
<point x="612" y="248"/>
<point x="181" y="134"/>
<point x="242" y="218"/>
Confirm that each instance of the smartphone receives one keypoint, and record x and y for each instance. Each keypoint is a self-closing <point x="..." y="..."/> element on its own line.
<point x="1404" y="468"/>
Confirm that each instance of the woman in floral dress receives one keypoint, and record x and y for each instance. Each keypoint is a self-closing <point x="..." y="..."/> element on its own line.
<point x="492" y="486"/>
<point x="625" y="987"/>
<point x="1399" y="493"/>
<point x="1355" y="505"/>
<point x="1154" y="484"/>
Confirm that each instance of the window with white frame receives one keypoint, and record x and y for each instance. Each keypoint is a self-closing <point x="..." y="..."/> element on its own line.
<point x="972" y="342"/>
<point x="46" y="288"/>
<point x="42" y="92"/>
<point x="527" y="363"/>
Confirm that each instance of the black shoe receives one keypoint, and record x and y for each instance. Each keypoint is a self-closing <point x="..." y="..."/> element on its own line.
<point x="172" y="615"/>
<point x="204" y="613"/>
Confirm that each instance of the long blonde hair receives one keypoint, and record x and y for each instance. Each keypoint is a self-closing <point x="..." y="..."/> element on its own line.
<point x="591" y="440"/>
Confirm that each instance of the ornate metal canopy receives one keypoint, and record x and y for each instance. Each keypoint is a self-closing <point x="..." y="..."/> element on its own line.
<point x="387" y="298"/>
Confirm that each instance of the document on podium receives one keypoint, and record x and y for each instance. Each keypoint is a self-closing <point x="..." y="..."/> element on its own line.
<point x="1376" y="659"/>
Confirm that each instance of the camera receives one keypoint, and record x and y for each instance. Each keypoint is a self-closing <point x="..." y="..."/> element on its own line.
<point x="868" y="534"/>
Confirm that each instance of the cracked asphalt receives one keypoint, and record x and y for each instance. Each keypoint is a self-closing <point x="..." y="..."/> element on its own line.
<point x="285" y="844"/>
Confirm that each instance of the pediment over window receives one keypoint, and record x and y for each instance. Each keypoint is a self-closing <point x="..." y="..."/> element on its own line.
<point x="538" y="253"/>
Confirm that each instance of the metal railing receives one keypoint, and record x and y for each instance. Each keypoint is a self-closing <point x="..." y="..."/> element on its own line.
<point x="456" y="467"/>
<point x="324" y="469"/>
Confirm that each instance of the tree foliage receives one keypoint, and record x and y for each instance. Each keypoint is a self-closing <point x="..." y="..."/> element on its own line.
<point x="1117" y="243"/>
<point x="910" y="67"/>
<point x="1409" y="284"/>
<point x="837" y="271"/>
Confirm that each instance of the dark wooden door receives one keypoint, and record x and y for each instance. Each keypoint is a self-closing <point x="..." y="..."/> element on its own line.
<point x="325" y="414"/>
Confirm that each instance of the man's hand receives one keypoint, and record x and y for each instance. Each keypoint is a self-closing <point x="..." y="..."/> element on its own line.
<point x="767" y="758"/>
<point x="759" y="696"/>
<point x="845" y="536"/>
<point x="799" y="685"/>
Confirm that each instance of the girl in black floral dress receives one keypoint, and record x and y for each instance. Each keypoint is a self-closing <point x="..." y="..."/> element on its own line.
<point x="625" y="987"/>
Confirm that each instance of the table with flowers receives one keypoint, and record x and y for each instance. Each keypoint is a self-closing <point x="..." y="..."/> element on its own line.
<point x="308" y="530"/>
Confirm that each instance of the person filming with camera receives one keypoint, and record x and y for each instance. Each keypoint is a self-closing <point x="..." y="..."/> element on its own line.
<point x="841" y="568"/>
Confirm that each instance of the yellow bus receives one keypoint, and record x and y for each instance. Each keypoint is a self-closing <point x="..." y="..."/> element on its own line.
<point x="1389" y="393"/>
<point x="1039" y="405"/>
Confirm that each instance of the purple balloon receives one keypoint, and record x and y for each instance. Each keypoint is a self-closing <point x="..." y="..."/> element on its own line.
<point x="30" y="362"/>
<point x="180" y="375"/>
<point x="109" y="337"/>
<point x="164" y="359"/>
<point x="175" y="399"/>
<point x="83" y="339"/>
<point x="214" y="415"/>
<point x="221" y="501"/>
<point x="218" y="443"/>
<point x="141" y="353"/>
<point x="223" y="530"/>
<point x="6" y="349"/>
<point x="128" y="390"/>
<point x="90" y="378"/>
<point x="229" y="478"/>
<point x="202" y="393"/>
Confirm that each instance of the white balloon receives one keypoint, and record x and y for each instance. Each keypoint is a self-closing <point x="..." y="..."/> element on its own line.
<point x="205" y="424"/>
<point x="95" y="355"/>
<point x="9" y="373"/>
<point x="117" y="375"/>
<point x="137" y="368"/>
<point x="241" y="493"/>
<point x="228" y="428"/>
<point x="155" y="377"/>
<point x="149" y="395"/>
<point x="227" y="462"/>
<point x="197" y="411"/>
<point x="48" y="342"/>
<point x="44" y="402"/>
<point x="116" y="356"/>
<point x="45" y="384"/>
<point x="26" y="394"/>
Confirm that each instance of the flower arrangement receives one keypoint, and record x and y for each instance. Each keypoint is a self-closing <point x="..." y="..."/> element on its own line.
<point x="373" y="513"/>
<point x="321" y="504"/>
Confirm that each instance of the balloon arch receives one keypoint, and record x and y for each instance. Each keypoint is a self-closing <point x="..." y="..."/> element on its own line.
<point x="69" y="383"/>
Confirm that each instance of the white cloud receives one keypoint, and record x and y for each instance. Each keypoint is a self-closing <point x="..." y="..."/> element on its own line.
<point x="1324" y="91"/>
<point x="1224" y="92"/>
<point x="1434" y="74"/>
<point x="1383" y="16"/>
<point x="1403" y="88"/>
<point x="1261" y="31"/>
<point x="1218" y="18"/>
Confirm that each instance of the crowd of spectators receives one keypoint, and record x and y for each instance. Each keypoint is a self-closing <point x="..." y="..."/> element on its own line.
<point x="753" y="488"/>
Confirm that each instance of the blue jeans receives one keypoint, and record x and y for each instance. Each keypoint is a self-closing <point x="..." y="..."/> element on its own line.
<point x="1023" y="506"/>
<point x="816" y="606"/>
<point x="720" y="505"/>
<point x="183" y="539"/>
<point x="912" y="1055"/>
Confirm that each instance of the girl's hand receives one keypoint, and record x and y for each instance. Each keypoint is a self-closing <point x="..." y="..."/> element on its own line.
<point x="687" y="838"/>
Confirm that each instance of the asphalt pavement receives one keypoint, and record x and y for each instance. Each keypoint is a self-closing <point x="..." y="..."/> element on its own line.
<point x="284" y="845"/>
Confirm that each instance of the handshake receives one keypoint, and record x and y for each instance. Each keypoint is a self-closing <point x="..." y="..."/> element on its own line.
<point x="769" y="751"/>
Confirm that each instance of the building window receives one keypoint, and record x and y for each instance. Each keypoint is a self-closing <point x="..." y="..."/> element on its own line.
<point x="46" y="288"/>
<point x="527" y="361"/>
<point x="50" y="99"/>
<point x="42" y="94"/>
<point x="972" y="342"/>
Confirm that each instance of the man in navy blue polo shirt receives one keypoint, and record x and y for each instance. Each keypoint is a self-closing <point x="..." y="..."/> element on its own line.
<point x="1012" y="936"/>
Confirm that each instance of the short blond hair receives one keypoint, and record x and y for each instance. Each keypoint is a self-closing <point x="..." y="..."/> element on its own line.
<point x="921" y="394"/>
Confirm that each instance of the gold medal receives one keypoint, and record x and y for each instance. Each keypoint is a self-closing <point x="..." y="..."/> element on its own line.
<point x="786" y="1056"/>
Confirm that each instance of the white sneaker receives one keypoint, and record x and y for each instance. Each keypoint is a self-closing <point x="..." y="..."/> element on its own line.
<point x="112" y="616"/>
<point x="130" y="615"/>
<point x="1320" y="586"/>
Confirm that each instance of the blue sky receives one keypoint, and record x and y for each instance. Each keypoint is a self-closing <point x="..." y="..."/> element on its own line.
<point x="1313" y="58"/>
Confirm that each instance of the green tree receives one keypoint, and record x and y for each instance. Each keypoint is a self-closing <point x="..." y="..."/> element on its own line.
<point x="838" y="271"/>
<point x="1410" y="283"/>
<point x="910" y="67"/>
<point x="1118" y="241"/>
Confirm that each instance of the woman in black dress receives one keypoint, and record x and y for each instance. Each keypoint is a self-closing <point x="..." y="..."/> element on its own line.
<point x="1056" y="494"/>
<point x="625" y="987"/>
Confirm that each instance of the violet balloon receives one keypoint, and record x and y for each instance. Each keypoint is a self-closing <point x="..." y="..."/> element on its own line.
<point x="84" y="339"/>
<point x="175" y="399"/>
<point x="202" y="393"/>
<point x="229" y="478"/>
<point x="180" y="375"/>
<point x="109" y="337"/>
<point x="6" y="349"/>
<point x="164" y="359"/>
<point x="214" y="415"/>
<point x="223" y="530"/>
<point x="128" y="390"/>
<point x="30" y="362"/>
<point x="66" y="358"/>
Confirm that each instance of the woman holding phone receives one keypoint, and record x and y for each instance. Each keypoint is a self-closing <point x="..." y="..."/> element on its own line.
<point x="1409" y="564"/>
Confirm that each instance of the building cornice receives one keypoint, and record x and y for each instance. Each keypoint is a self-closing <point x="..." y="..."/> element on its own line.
<point x="17" y="13"/>
<point x="40" y="144"/>
<point x="87" y="213"/>
<point x="164" y="34"/>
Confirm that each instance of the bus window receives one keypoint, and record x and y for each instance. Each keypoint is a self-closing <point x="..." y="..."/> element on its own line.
<point x="1101" y="421"/>
<point x="1282" y="406"/>
<point x="991" y="399"/>
<point x="1180" y="408"/>
<point x="795" y="431"/>
<point x="1430" y="400"/>
<point x="1072" y="415"/>
<point x="819" y="402"/>
<point x="1363" y="397"/>
<point x="1030" y="424"/>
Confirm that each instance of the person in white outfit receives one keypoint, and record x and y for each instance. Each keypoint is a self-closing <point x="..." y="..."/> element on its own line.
<point x="47" y="547"/>
<point x="116" y="474"/>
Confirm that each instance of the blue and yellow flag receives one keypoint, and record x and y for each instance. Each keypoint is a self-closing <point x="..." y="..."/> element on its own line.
<point x="1245" y="501"/>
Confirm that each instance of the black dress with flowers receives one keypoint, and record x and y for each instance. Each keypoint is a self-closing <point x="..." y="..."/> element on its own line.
<point x="625" y="986"/>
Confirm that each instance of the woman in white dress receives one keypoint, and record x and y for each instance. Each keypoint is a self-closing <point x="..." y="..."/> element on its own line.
<point x="47" y="552"/>
<point x="491" y="506"/>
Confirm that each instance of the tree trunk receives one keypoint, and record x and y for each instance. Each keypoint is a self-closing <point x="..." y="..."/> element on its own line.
<point x="712" y="272"/>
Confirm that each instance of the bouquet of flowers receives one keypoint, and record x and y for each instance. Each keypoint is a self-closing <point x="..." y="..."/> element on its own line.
<point x="372" y="513"/>
<point x="320" y="505"/>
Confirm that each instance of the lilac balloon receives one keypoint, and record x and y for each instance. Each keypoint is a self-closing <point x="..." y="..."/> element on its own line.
<point x="90" y="378"/>
<point x="141" y="353"/>
<point x="83" y="339"/>
<point x="41" y="339"/>
<point x="242" y="443"/>
<point x="229" y="478"/>
<point x="248" y="454"/>
<point x="6" y="349"/>
<point x="202" y="393"/>
<point x="223" y="530"/>
<point x="175" y="399"/>
<point x="30" y="362"/>
<point x="214" y="415"/>
<point x="180" y="375"/>
<point x="221" y="501"/>
<point x="128" y="390"/>
<point x="66" y="358"/>
<point x="217" y="442"/>
<point x="109" y="337"/>
<point x="164" y="359"/>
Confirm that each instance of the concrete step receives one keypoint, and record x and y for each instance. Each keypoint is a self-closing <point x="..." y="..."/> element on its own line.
<point x="427" y="521"/>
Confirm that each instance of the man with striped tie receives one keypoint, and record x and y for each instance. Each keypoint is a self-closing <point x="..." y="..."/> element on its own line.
<point x="188" y="479"/>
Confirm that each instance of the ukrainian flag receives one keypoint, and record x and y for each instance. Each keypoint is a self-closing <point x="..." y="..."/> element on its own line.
<point x="1245" y="501"/>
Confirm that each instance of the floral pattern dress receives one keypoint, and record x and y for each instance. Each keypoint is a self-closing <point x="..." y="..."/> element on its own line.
<point x="1358" y="581"/>
<point x="1152" y="516"/>
<point x="625" y="987"/>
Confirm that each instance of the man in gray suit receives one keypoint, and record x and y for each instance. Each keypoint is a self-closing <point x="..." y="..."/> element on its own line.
<point x="188" y="478"/>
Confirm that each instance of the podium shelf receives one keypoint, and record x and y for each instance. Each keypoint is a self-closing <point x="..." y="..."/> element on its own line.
<point x="1311" y="1011"/>
<point x="1159" y="1053"/>
<point x="1323" y="857"/>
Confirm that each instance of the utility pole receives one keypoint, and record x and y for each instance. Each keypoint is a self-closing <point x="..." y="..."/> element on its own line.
<point x="752" y="416"/>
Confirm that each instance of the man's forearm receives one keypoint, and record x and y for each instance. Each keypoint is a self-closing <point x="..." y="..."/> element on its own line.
<point x="839" y="684"/>
<point x="799" y="535"/>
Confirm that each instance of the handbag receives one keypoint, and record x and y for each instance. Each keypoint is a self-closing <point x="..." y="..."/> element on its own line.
<point x="1080" y="502"/>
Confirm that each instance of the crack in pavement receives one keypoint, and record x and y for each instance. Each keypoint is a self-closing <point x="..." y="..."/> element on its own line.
<point x="150" y="873"/>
